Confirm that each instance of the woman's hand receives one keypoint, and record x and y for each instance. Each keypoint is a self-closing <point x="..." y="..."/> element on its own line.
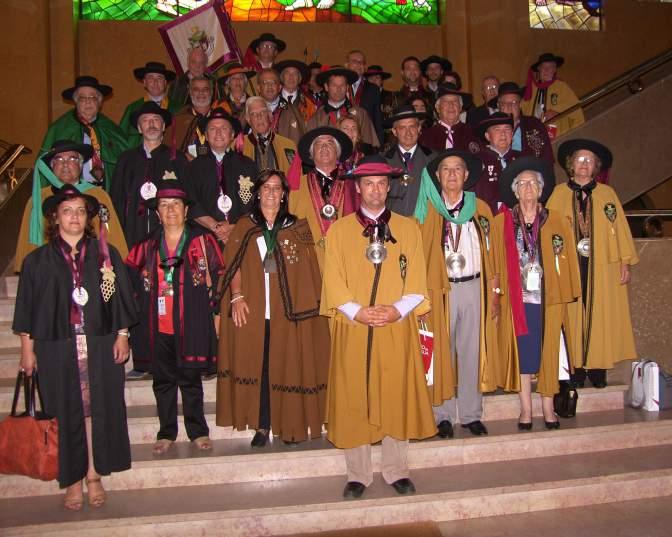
<point x="120" y="349"/>
<point x="625" y="274"/>
<point x="239" y="312"/>
<point x="28" y="361"/>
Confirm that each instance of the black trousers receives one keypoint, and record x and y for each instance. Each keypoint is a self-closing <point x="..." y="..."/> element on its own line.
<point x="167" y="378"/>
<point x="265" y="390"/>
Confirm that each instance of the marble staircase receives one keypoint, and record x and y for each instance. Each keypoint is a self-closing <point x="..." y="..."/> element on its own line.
<point x="608" y="453"/>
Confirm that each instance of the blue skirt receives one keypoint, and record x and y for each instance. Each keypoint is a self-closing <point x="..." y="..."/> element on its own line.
<point x="529" y="346"/>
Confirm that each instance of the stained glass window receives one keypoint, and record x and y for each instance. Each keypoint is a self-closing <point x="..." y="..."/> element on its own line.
<point x="368" y="11"/>
<point x="566" y="14"/>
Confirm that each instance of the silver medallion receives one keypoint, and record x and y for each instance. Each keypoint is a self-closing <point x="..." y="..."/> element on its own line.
<point x="406" y="179"/>
<point x="376" y="252"/>
<point x="328" y="211"/>
<point x="270" y="266"/>
<point x="80" y="296"/>
<point x="455" y="262"/>
<point x="583" y="247"/>
<point x="224" y="203"/>
<point x="148" y="190"/>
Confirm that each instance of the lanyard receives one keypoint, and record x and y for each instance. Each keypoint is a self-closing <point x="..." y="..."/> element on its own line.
<point x="530" y="238"/>
<point x="271" y="236"/>
<point x="168" y="262"/>
<point x="76" y="267"/>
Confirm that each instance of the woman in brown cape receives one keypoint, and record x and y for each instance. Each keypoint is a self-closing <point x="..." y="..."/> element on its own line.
<point x="273" y="346"/>
<point x="539" y="278"/>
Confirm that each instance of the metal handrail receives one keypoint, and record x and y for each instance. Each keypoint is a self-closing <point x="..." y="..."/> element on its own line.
<point x="642" y="213"/>
<point x="623" y="80"/>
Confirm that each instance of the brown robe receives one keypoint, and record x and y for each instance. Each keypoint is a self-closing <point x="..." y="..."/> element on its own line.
<point x="299" y="347"/>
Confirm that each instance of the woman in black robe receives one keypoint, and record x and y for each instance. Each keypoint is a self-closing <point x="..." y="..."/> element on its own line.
<point x="73" y="309"/>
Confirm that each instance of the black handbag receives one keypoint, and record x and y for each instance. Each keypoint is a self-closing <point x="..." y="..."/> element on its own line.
<point x="564" y="403"/>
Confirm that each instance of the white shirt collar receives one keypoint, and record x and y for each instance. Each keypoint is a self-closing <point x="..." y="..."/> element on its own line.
<point x="326" y="174"/>
<point x="501" y="155"/>
<point x="336" y="105"/>
<point x="273" y="104"/>
<point x="370" y="214"/>
<point x="218" y="156"/>
<point x="293" y="95"/>
<point x="411" y="150"/>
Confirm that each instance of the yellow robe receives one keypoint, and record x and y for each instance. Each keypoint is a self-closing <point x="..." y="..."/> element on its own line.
<point x="115" y="234"/>
<point x="398" y="402"/>
<point x="605" y="313"/>
<point x="559" y="97"/>
<point x="301" y="205"/>
<point x="562" y="287"/>
<point x="439" y="293"/>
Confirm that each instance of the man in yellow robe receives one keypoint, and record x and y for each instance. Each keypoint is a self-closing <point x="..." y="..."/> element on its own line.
<point x="376" y="384"/>
<point x="463" y="288"/>
<point x="322" y="197"/>
<point x="607" y="252"/>
<point x="546" y="96"/>
<point x="66" y="159"/>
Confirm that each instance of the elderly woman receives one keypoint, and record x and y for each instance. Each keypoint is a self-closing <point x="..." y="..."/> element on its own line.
<point x="73" y="309"/>
<point x="539" y="279"/>
<point x="174" y="269"/>
<point x="274" y="347"/>
<point x="348" y="124"/>
<point x="235" y="80"/>
<point x="606" y="252"/>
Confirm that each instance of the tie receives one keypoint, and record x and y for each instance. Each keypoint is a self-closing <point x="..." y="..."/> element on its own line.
<point x="262" y="142"/>
<point x="407" y="159"/>
<point x="449" y="138"/>
<point x="290" y="99"/>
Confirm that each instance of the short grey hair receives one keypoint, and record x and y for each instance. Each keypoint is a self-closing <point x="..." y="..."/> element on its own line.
<point x="339" y="150"/>
<point x="251" y="101"/>
<point x="459" y="98"/>
<point x="539" y="178"/>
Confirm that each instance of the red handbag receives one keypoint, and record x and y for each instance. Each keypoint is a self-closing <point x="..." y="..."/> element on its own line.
<point x="29" y="441"/>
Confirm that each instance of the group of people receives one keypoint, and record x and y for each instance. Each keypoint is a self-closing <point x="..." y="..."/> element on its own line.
<point x="293" y="242"/>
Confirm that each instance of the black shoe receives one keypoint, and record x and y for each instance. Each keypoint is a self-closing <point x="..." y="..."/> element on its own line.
<point x="476" y="428"/>
<point x="404" y="486"/>
<point x="550" y="425"/>
<point x="580" y="384"/>
<point x="290" y="443"/>
<point x="260" y="438"/>
<point x="600" y="384"/>
<point x="445" y="429"/>
<point x="524" y="426"/>
<point x="353" y="490"/>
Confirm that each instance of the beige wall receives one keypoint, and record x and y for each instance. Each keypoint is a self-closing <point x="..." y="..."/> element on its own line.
<point x="480" y="36"/>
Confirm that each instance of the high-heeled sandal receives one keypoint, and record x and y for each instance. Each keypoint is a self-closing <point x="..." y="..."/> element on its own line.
<point x="96" y="498"/>
<point x="74" y="502"/>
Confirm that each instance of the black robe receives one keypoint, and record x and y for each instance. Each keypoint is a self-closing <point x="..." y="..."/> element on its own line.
<point x="42" y="310"/>
<point x="133" y="169"/>
<point x="238" y="174"/>
<point x="193" y="307"/>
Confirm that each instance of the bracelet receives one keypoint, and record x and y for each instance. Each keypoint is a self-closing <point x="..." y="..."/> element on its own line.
<point x="123" y="333"/>
<point x="497" y="291"/>
<point x="237" y="298"/>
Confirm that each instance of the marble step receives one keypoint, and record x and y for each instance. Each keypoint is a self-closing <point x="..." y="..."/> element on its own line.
<point x="8" y="339"/>
<point x="8" y="286"/>
<point x="497" y="406"/>
<point x="313" y="504"/>
<point x="234" y="461"/>
<point x="9" y="362"/>
<point x="7" y="309"/>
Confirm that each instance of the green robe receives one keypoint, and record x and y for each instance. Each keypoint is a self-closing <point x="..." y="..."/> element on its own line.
<point x="111" y="138"/>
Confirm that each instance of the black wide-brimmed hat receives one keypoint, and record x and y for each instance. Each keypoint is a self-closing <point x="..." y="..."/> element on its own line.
<point x="69" y="192"/>
<point x="86" y="82"/>
<point x="299" y="65"/>
<point x="220" y="113"/>
<point x="153" y="67"/>
<point x="448" y="88"/>
<point x="268" y="37"/>
<point x="168" y="188"/>
<point x="506" y="88"/>
<point x="498" y="118"/>
<point x="150" y="107"/>
<point x="336" y="70"/>
<point x="405" y="111"/>
<point x="518" y="166"/>
<point x="445" y="63"/>
<point x="61" y="146"/>
<point x="373" y="166"/>
<point x="374" y="70"/>
<point x="547" y="57"/>
<point x="314" y="65"/>
<point x="473" y="163"/>
<point x="308" y="138"/>
<point x="569" y="147"/>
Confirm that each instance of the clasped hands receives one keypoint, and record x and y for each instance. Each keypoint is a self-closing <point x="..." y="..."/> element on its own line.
<point x="377" y="315"/>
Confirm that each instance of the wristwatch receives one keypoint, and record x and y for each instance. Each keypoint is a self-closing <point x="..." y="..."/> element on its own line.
<point x="497" y="291"/>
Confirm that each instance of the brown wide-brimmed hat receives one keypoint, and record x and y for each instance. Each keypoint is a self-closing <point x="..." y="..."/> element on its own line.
<point x="69" y="192"/>
<point x="405" y="111"/>
<point x="298" y="65"/>
<point x="308" y="138"/>
<point x="473" y="163"/>
<point x="86" y="82"/>
<point x="374" y="70"/>
<point x="518" y="166"/>
<point x="498" y="118"/>
<point x="153" y="67"/>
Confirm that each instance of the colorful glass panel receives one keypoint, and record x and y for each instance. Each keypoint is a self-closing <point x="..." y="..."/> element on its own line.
<point x="566" y="14"/>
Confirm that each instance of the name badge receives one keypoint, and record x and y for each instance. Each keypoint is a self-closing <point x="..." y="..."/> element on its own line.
<point x="533" y="282"/>
<point x="192" y="150"/>
<point x="162" y="305"/>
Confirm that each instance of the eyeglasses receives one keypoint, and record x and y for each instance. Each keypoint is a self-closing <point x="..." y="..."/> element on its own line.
<point x="269" y="83"/>
<point x="507" y="104"/>
<point x="268" y="45"/>
<point x="87" y="98"/>
<point x="587" y="160"/>
<point x="66" y="160"/>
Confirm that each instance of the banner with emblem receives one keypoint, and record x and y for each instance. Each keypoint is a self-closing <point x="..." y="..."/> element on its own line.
<point x="207" y="27"/>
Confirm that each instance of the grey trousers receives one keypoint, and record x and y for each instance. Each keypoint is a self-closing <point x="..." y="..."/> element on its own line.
<point x="465" y="319"/>
<point x="394" y="462"/>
